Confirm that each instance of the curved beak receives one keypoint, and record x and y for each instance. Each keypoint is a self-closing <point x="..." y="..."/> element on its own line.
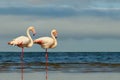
<point x="34" y="34"/>
<point x="55" y="36"/>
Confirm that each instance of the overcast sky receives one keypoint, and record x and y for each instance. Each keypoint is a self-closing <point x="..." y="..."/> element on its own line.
<point x="83" y="25"/>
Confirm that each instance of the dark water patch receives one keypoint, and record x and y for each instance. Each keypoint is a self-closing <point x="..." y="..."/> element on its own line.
<point x="62" y="61"/>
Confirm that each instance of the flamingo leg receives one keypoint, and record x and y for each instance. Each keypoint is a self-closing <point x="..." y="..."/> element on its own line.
<point x="22" y="64"/>
<point x="46" y="64"/>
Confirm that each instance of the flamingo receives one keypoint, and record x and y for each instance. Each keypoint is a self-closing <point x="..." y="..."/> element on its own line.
<point x="23" y="41"/>
<point x="47" y="42"/>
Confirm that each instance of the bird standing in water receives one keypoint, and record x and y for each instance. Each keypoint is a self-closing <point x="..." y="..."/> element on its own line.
<point x="23" y="41"/>
<point x="46" y="43"/>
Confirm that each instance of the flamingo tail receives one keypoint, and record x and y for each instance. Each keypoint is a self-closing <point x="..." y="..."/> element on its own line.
<point x="22" y="64"/>
<point x="46" y="64"/>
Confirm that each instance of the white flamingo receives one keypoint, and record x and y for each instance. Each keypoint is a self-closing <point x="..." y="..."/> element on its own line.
<point x="23" y="41"/>
<point x="47" y="42"/>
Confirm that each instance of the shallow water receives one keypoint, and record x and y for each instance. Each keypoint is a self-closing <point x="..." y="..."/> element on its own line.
<point x="62" y="61"/>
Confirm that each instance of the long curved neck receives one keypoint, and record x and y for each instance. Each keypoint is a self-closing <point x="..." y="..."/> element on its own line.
<point x="31" y="41"/>
<point x="55" y="41"/>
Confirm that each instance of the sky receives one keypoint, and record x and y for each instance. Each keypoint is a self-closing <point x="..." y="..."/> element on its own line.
<point x="82" y="25"/>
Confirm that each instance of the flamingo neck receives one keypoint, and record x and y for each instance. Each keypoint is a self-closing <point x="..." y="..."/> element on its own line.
<point x="31" y="41"/>
<point x="55" y="41"/>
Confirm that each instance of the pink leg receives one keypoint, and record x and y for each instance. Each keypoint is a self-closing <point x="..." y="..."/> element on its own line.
<point x="22" y="64"/>
<point x="46" y="64"/>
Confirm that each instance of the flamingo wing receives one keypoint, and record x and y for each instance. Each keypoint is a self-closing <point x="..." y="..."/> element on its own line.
<point x="21" y="40"/>
<point x="45" y="42"/>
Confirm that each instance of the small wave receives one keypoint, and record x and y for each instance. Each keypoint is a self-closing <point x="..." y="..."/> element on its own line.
<point x="63" y="61"/>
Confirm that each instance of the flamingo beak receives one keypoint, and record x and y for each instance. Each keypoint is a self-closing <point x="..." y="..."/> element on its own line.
<point x="34" y="34"/>
<point x="33" y="31"/>
<point x="56" y="37"/>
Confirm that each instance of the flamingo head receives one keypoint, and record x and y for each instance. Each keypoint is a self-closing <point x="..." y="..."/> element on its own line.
<point x="31" y="28"/>
<point x="55" y="33"/>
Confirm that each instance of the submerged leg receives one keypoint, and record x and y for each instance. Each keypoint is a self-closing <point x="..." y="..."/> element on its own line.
<point x="46" y="55"/>
<point x="22" y="64"/>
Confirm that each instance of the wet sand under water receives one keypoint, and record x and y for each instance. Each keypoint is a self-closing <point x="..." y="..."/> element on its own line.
<point x="83" y="71"/>
<point x="63" y="67"/>
<point x="57" y="75"/>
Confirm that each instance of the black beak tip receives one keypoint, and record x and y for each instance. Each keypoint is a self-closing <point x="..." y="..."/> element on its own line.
<point x="33" y="34"/>
<point x="56" y="37"/>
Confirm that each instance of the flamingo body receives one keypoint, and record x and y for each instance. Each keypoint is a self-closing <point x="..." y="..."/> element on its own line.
<point x="47" y="42"/>
<point x="23" y="41"/>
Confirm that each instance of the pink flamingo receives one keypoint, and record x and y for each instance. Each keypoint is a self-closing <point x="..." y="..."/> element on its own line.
<point x="47" y="42"/>
<point x="23" y="41"/>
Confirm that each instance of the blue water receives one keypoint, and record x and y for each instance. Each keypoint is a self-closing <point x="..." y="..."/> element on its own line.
<point x="62" y="61"/>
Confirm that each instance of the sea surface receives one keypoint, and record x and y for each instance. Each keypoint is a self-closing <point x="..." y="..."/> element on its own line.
<point x="79" y="62"/>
